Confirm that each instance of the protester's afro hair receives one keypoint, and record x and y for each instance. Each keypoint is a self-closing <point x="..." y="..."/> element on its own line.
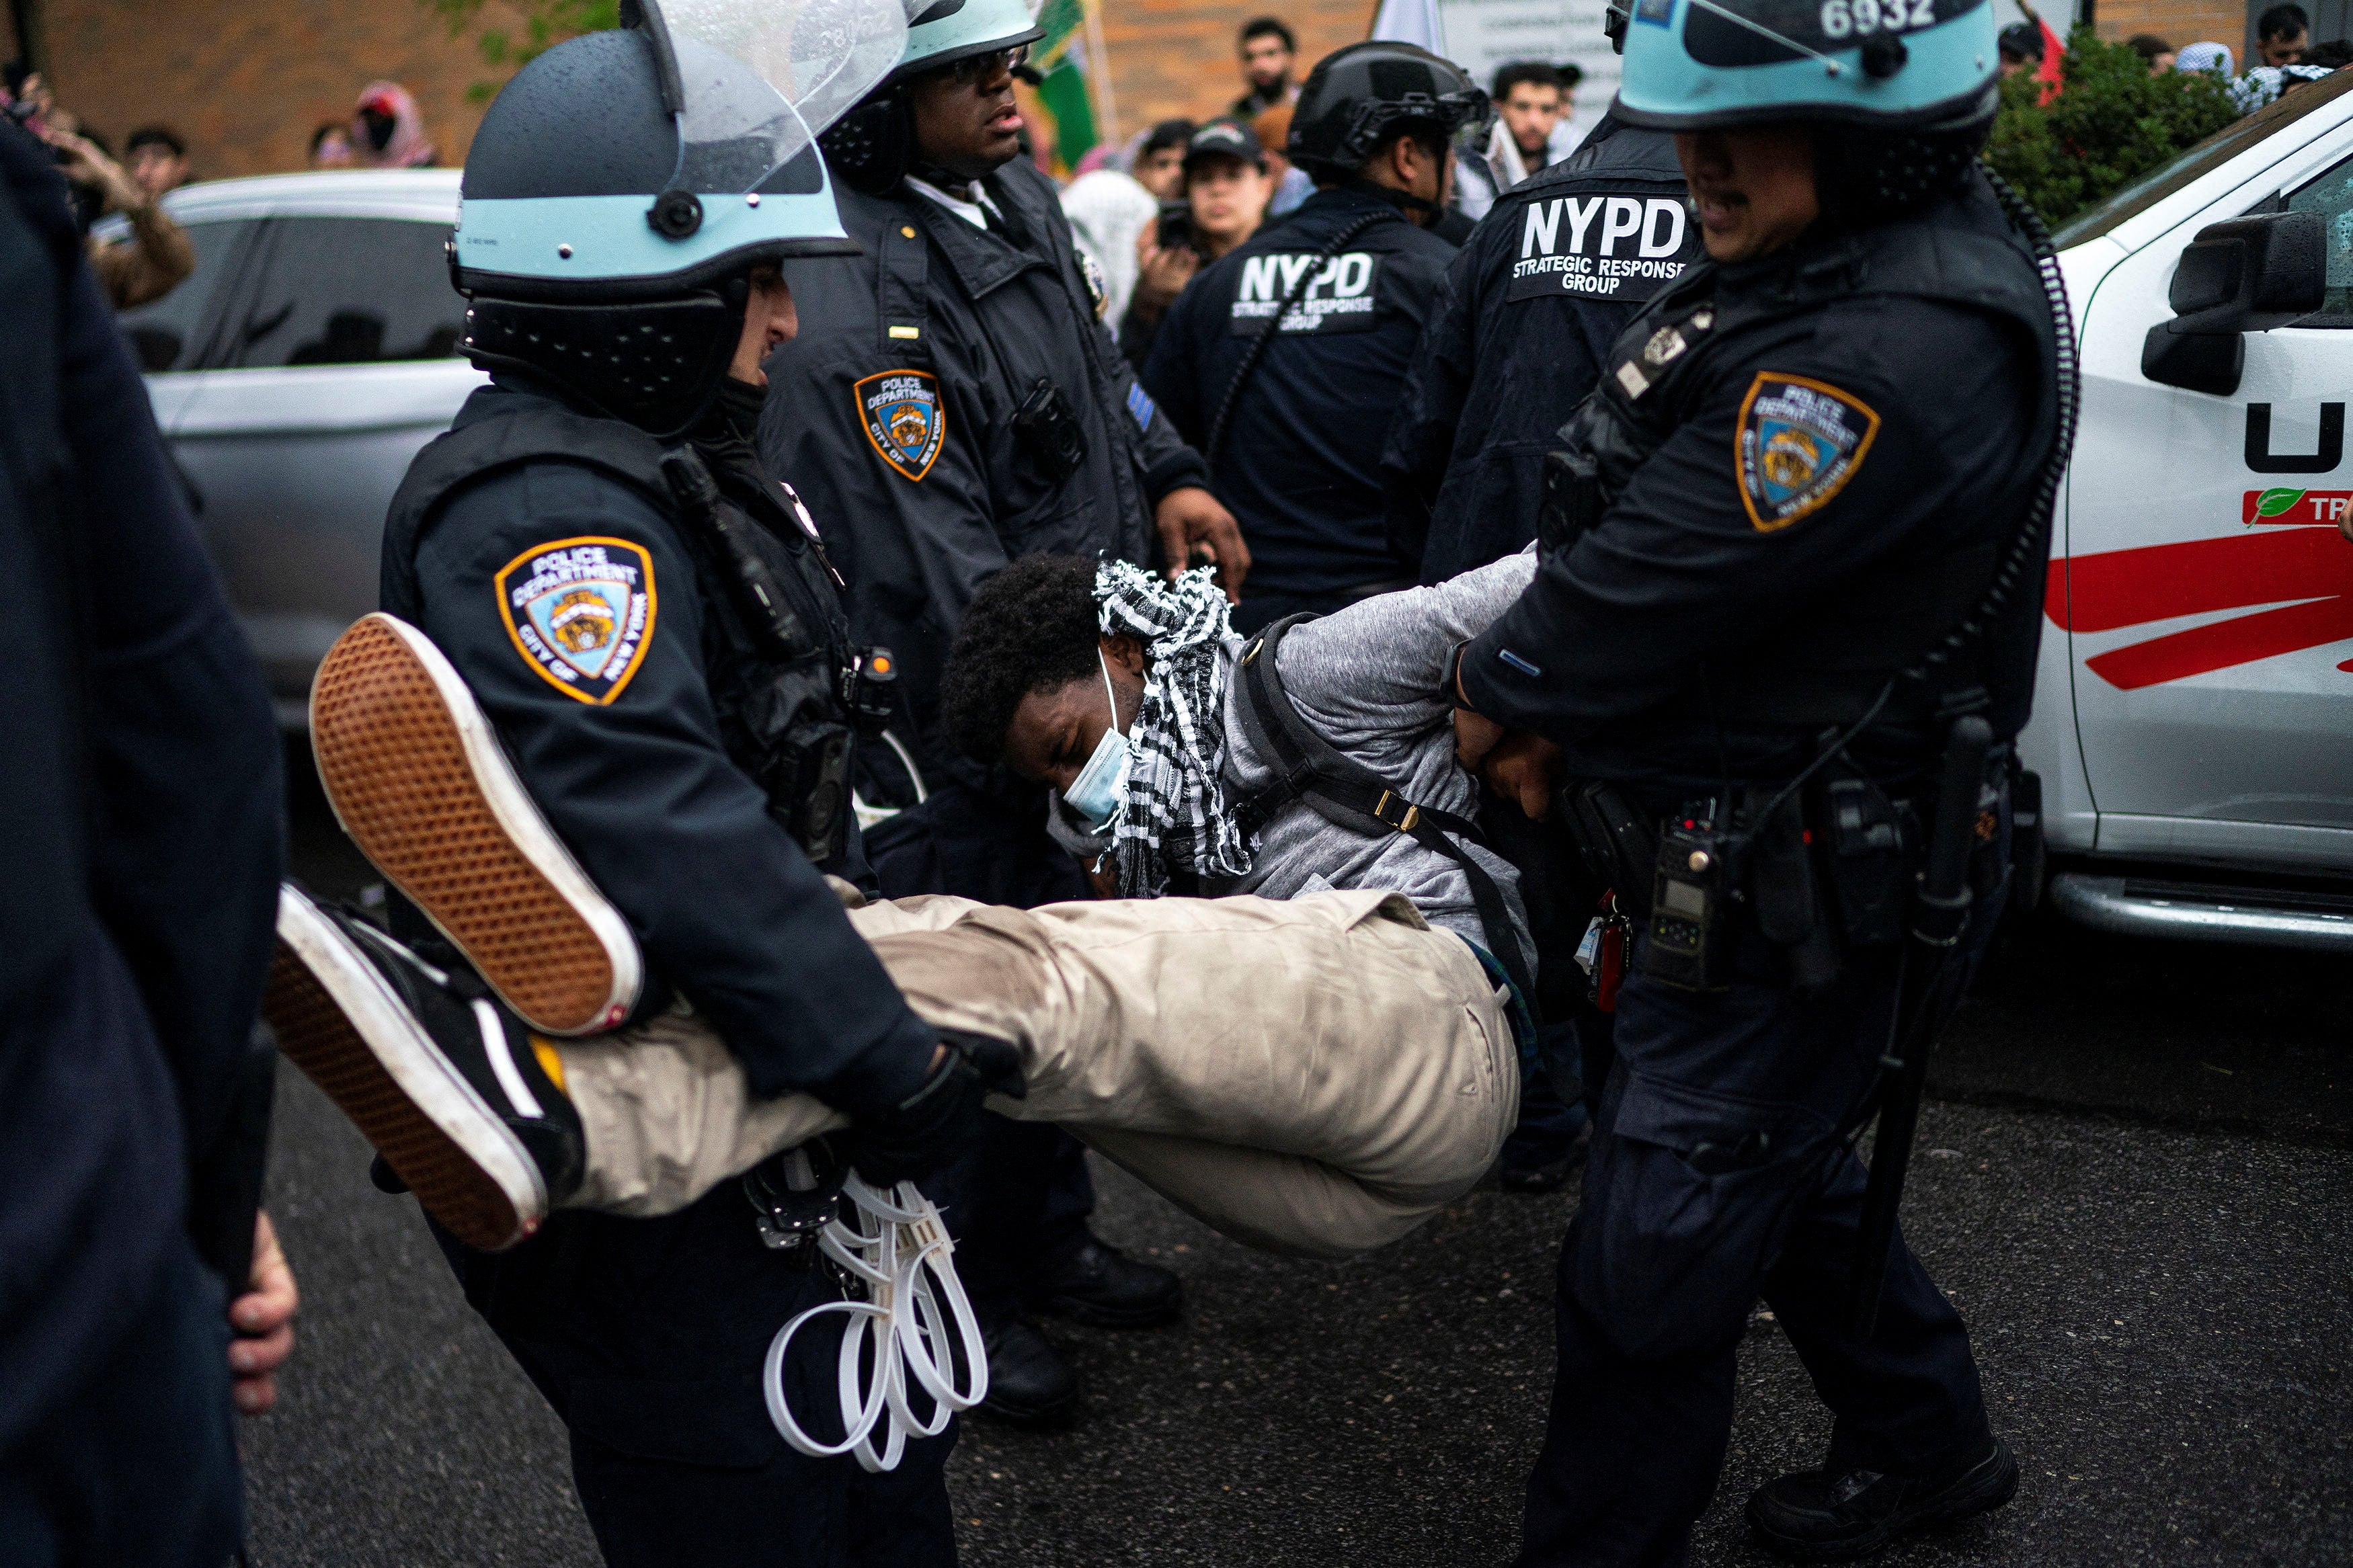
<point x="1032" y="626"/>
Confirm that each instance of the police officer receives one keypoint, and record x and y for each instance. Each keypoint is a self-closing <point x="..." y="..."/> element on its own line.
<point x="954" y="401"/>
<point x="1540" y="290"/>
<point x="649" y="623"/>
<point x="1538" y="293"/>
<point x="1283" y="361"/>
<point x="1801" y="527"/>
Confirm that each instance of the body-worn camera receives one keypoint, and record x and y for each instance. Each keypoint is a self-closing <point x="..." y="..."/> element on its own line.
<point x="1050" y="432"/>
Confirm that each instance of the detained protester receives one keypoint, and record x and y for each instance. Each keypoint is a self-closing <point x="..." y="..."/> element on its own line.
<point x="955" y="401"/>
<point x="143" y="1302"/>
<point x="653" y="635"/>
<point x="1514" y="343"/>
<point x="1283" y="363"/>
<point x="1313" y="1074"/>
<point x="1783" y="631"/>
<point x="1226" y="191"/>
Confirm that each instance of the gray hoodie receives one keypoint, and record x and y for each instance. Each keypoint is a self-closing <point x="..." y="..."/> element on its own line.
<point x="1368" y="681"/>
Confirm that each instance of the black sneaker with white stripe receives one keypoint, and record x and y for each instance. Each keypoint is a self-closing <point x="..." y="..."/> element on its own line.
<point x="448" y="1085"/>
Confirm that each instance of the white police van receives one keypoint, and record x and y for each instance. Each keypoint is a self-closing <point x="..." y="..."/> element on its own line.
<point x="2193" y="724"/>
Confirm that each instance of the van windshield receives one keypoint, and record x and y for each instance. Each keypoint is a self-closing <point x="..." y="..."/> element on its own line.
<point x="2216" y="149"/>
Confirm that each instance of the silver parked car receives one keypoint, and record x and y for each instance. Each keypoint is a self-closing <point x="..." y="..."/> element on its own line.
<point x="294" y="375"/>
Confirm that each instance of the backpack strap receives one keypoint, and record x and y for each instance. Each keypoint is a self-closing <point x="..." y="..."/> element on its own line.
<point x="1346" y="794"/>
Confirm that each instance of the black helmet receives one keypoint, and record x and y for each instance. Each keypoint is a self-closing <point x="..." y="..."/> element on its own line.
<point x="623" y="185"/>
<point x="1358" y="97"/>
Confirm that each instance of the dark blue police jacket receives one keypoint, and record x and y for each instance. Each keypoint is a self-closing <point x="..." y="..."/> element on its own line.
<point x="1546" y="282"/>
<point x="140" y="824"/>
<point x="1299" y="465"/>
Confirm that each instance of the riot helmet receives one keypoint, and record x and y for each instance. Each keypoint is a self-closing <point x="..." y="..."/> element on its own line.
<point x="1693" y="65"/>
<point x="872" y="148"/>
<point x="623" y="184"/>
<point x="1358" y="97"/>
<point x="1900" y="94"/>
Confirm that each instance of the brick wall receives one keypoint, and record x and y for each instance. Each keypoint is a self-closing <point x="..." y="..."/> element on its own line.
<point x="2177" y="22"/>
<point x="247" y="80"/>
<point x="1178" y="57"/>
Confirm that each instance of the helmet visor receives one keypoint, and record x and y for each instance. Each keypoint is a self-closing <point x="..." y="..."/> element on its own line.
<point x="760" y="80"/>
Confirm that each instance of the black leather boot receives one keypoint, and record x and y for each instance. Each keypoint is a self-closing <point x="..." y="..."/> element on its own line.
<point x="1099" y="1285"/>
<point x="1030" y="1384"/>
<point x="1825" y="1516"/>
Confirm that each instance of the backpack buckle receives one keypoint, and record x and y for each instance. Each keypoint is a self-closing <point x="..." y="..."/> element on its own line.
<point x="1403" y="823"/>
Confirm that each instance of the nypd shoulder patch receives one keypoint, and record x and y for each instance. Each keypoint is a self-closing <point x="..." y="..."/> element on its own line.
<point x="581" y="612"/>
<point x="1800" y="442"/>
<point x="903" y="419"/>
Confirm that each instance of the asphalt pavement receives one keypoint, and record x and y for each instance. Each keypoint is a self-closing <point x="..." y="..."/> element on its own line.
<point x="2134" y="1181"/>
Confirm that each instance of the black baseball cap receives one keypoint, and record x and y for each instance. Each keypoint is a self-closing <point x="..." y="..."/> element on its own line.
<point x="2022" y="40"/>
<point x="1225" y="137"/>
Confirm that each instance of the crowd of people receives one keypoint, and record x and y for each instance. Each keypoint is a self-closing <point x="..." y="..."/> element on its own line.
<point x="152" y="257"/>
<point x="2282" y="44"/>
<point x="1317" y="654"/>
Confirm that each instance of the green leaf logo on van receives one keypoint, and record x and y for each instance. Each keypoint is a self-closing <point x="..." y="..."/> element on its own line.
<point x="2273" y="503"/>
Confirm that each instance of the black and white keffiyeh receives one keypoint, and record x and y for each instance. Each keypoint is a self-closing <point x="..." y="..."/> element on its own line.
<point x="1174" y="815"/>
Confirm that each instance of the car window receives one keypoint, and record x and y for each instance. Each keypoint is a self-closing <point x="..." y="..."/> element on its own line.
<point x="170" y="334"/>
<point x="353" y="290"/>
<point x="2212" y="153"/>
<point x="2331" y="195"/>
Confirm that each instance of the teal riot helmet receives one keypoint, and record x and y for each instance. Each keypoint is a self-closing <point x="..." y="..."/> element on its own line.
<point x="941" y="32"/>
<point x="623" y="185"/>
<point x="1920" y="64"/>
<point x="871" y="148"/>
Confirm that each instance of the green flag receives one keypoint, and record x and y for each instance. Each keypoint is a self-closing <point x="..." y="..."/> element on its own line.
<point x="1065" y="89"/>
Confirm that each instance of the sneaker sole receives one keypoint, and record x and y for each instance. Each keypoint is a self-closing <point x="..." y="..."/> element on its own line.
<point x="417" y="778"/>
<point x="337" y="1020"/>
<point x="1991" y="1485"/>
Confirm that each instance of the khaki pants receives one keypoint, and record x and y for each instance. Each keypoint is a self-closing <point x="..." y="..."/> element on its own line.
<point x="1311" y="1076"/>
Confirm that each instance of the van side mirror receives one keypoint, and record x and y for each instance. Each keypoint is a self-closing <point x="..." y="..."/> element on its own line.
<point x="2248" y="275"/>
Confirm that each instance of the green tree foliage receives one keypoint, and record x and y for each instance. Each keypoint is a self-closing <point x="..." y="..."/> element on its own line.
<point x="545" y="24"/>
<point x="2111" y="124"/>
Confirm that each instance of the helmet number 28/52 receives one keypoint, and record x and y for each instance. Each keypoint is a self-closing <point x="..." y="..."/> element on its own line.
<point x="1840" y="18"/>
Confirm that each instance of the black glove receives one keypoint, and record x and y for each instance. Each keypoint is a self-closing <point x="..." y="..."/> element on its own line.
<point x="931" y="1127"/>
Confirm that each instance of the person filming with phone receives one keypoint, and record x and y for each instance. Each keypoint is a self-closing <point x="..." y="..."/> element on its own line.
<point x="1220" y="204"/>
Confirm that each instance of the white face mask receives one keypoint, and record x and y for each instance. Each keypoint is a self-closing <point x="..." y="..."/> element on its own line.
<point x="1101" y="785"/>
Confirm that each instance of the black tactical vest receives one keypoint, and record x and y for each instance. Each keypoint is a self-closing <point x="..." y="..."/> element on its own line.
<point x="1829" y="665"/>
<point x="776" y="640"/>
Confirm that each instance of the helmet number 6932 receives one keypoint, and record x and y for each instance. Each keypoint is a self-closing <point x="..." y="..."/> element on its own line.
<point x="1842" y="17"/>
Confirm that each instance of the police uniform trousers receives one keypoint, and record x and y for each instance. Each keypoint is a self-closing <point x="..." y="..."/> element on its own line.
<point x="1019" y="1201"/>
<point x="647" y="1337"/>
<point x="138" y="1464"/>
<point x="1718" y="1174"/>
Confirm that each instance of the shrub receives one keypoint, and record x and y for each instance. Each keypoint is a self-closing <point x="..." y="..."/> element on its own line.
<point x="2112" y="123"/>
<point x="545" y="24"/>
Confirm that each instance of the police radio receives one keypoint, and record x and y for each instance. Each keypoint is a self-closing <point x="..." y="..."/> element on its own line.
<point x="1689" y="924"/>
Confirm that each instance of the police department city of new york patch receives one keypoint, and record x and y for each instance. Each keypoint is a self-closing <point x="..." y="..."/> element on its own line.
<point x="903" y="419"/>
<point x="581" y="612"/>
<point x="1800" y="442"/>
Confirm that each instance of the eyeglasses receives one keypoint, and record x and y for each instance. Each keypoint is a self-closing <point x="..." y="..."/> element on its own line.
<point x="974" y="69"/>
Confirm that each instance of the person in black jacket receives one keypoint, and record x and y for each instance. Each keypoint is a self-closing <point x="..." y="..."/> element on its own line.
<point x="142" y="828"/>
<point x="953" y="401"/>
<point x="1539" y="292"/>
<point x="1542" y="286"/>
<point x="1284" y="360"/>
<point x="1795" y="554"/>
<point x="651" y="628"/>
